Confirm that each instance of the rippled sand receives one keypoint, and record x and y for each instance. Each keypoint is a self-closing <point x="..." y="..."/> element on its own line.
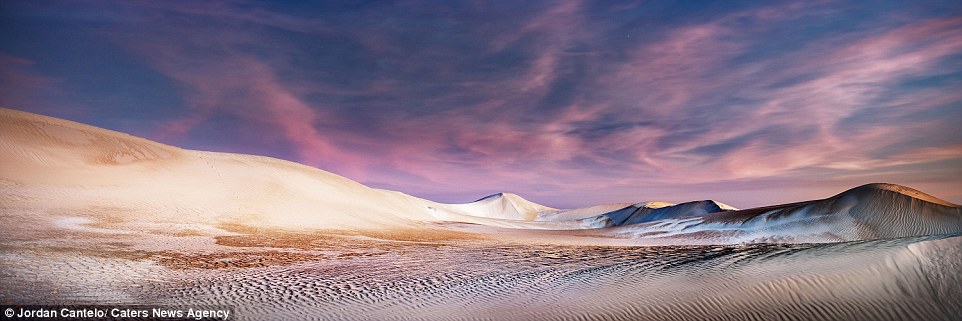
<point x="338" y="277"/>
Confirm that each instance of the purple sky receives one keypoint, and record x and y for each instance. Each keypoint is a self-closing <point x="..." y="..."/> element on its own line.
<point x="566" y="103"/>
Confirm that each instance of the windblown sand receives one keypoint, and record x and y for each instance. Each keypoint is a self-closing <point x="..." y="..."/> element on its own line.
<point x="266" y="275"/>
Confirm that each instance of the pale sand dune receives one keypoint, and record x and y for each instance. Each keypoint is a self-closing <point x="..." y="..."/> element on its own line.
<point x="82" y="167"/>
<point x="503" y="206"/>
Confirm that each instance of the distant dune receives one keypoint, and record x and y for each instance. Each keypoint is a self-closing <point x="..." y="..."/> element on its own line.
<point x="503" y="206"/>
<point x="72" y="169"/>
<point x="868" y="212"/>
<point x="655" y="211"/>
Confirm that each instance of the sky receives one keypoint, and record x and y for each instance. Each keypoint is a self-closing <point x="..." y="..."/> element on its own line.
<point x="566" y="103"/>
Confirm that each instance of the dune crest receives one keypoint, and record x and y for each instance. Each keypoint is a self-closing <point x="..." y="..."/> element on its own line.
<point x="908" y="191"/>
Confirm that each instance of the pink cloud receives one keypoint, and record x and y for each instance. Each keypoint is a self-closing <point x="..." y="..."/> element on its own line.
<point x="666" y="79"/>
<point x="237" y="84"/>
<point x="491" y="145"/>
<point x="847" y="82"/>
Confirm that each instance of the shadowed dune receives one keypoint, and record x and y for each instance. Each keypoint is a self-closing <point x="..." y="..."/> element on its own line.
<point x="871" y="211"/>
<point x="652" y="211"/>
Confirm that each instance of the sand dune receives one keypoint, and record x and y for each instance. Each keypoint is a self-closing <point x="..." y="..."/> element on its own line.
<point x="503" y="206"/>
<point x="868" y="212"/>
<point x="586" y="212"/>
<point x="655" y="211"/>
<point x="877" y="211"/>
<point x="87" y="169"/>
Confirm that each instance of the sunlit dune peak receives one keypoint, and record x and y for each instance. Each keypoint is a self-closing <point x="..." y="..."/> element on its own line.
<point x="655" y="204"/>
<point x="722" y="206"/>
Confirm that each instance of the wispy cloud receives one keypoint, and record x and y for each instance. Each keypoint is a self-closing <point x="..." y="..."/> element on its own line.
<point x="21" y="83"/>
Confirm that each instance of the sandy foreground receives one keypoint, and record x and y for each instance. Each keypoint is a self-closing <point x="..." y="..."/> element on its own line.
<point x="264" y="275"/>
<point x="91" y="216"/>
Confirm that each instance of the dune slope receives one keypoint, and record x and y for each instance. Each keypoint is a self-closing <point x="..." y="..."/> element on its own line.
<point x="71" y="168"/>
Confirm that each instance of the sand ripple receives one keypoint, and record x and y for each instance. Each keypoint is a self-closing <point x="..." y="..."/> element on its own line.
<point x="903" y="279"/>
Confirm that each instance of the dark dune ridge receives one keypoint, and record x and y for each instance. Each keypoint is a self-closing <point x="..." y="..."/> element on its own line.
<point x="643" y="212"/>
<point x="868" y="212"/>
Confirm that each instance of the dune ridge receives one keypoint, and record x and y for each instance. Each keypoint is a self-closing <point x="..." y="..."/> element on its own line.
<point x="655" y="211"/>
